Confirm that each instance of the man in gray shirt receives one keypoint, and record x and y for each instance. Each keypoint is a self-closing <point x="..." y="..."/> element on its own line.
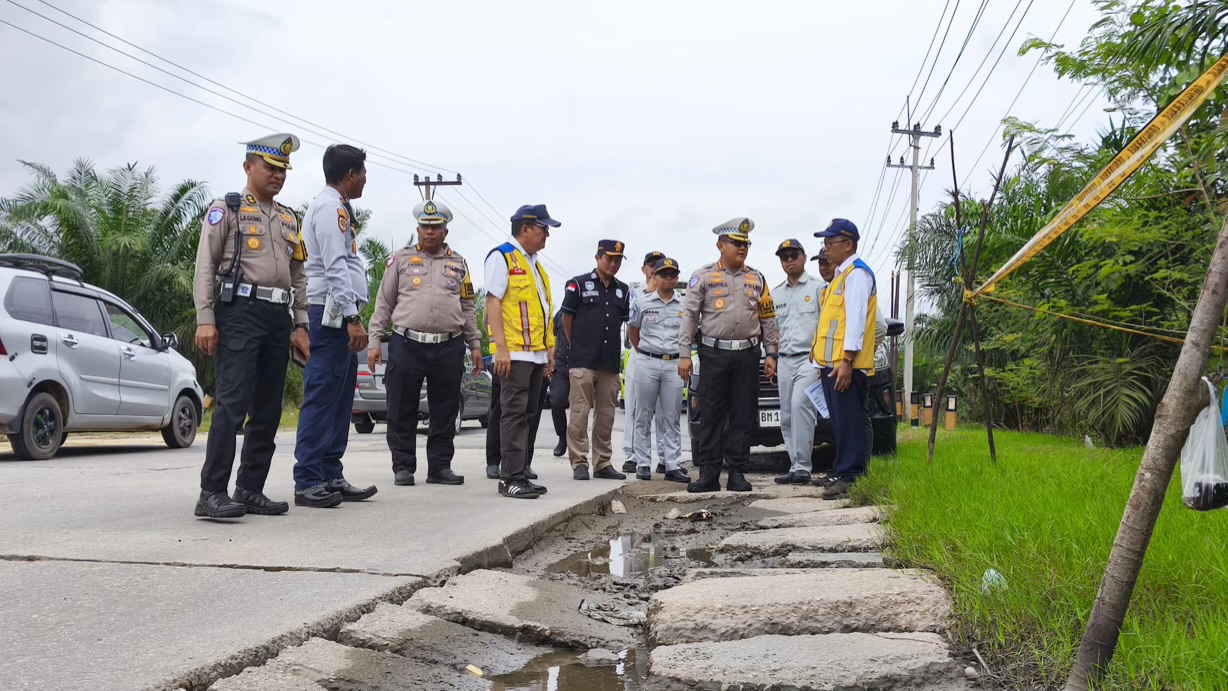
<point x="336" y="292"/>
<point x="797" y="317"/>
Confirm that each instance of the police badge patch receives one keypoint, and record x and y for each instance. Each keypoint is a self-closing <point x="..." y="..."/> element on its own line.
<point x="694" y="281"/>
<point x="215" y="216"/>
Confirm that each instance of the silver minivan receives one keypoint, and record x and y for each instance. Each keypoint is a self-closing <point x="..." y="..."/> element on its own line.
<point x="75" y="358"/>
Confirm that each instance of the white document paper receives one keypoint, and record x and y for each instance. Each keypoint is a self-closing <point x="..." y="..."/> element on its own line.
<point x="815" y="393"/>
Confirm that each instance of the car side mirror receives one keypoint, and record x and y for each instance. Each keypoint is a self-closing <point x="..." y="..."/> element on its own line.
<point x="169" y="341"/>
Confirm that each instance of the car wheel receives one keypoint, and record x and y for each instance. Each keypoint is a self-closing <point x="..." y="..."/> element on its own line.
<point x="460" y="417"/>
<point x="365" y="425"/>
<point x="182" y="431"/>
<point x="42" y="429"/>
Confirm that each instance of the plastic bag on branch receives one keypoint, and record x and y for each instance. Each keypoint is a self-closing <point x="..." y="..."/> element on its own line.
<point x="1204" y="460"/>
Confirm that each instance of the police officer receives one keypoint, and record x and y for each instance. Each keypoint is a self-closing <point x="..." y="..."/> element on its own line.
<point x="337" y="292"/>
<point x="629" y="465"/>
<point x="595" y="305"/>
<point x="518" y="310"/>
<point x="844" y="352"/>
<point x="427" y="298"/>
<point x="653" y="328"/>
<point x="731" y="305"/>
<point x="248" y="270"/>
<point x="797" y="316"/>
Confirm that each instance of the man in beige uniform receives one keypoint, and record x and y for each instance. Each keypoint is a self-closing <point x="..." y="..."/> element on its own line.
<point x="427" y="299"/>
<point x="732" y="307"/>
<point x="249" y="267"/>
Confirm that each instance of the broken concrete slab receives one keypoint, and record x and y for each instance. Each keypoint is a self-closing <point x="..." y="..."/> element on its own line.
<point x="814" y="519"/>
<point x="799" y="504"/>
<point x="760" y="491"/>
<point x="335" y="666"/>
<point x="839" y="560"/>
<point x="529" y="609"/>
<point x="698" y="574"/>
<point x="859" y="537"/>
<point x="265" y="679"/>
<point x="827" y="662"/>
<point x="818" y="601"/>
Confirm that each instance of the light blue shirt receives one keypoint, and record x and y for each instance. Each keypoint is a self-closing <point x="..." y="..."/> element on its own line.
<point x="797" y="313"/>
<point x="658" y="321"/>
<point x="333" y="265"/>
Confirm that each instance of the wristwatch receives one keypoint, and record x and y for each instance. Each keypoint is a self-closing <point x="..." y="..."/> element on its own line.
<point x="353" y="319"/>
<point x="304" y="326"/>
<point x="848" y="360"/>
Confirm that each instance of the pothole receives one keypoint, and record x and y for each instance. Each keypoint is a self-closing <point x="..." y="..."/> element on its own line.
<point x="631" y="555"/>
<point x="562" y="670"/>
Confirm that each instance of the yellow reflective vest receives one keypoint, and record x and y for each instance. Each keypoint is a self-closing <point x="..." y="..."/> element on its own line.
<point x="526" y="319"/>
<point x="828" y="347"/>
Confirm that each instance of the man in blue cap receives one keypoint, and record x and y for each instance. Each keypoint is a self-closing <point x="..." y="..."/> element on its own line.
<point x="844" y="352"/>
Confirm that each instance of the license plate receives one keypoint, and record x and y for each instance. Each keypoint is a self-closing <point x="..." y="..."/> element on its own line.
<point x="769" y="418"/>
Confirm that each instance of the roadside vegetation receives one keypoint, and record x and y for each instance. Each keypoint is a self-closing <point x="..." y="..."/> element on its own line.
<point x="1044" y="517"/>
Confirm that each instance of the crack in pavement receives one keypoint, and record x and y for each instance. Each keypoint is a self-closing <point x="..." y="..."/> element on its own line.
<point x="241" y="567"/>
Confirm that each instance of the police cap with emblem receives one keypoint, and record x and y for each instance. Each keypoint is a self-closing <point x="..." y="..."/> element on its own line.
<point x="665" y="264"/>
<point x="736" y="229"/>
<point x="275" y="149"/>
<point x="821" y="256"/>
<point x="536" y="213"/>
<point x="840" y="228"/>
<point x="652" y="258"/>
<point x="610" y="248"/>
<point x="432" y="213"/>
<point x="789" y="245"/>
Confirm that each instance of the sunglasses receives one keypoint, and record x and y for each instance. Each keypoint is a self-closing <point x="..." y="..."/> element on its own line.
<point x="790" y="256"/>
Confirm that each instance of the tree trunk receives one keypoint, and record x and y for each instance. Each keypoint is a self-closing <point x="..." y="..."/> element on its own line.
<point x="1177" y="410"/>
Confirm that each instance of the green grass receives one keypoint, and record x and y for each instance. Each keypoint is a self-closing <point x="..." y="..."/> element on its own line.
<point x="289" y="420"/>
<point x="1045" y="517"/>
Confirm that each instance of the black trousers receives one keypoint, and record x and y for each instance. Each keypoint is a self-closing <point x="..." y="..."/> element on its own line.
<point x="728" y="398"/>
<point x="560" y="400"/>
<point x="850" y="420"/>
<point x="442" y="367"/>
<point x="253" y="351"/>
<point x="494" y="430"/>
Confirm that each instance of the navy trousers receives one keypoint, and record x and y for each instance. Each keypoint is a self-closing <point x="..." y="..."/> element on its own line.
<point x="328" y="400"/>
<point x="849" y="415"/>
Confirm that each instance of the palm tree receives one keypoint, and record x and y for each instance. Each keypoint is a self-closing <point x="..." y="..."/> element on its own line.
<point x="115" y="227"/>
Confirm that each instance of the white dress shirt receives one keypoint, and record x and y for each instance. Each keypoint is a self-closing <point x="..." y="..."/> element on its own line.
<point x="857" y="290"/>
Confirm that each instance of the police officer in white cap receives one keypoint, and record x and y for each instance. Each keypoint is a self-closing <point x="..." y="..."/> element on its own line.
<point x="427" y="300"/>
<point x="249" y="269"/>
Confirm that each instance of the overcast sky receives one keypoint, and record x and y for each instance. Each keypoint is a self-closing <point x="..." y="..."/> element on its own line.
<point x="646" y="122"/>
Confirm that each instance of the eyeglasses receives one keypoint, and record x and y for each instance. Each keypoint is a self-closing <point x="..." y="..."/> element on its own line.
<point x="542" y="228"/>
<point x="828" y="242"/>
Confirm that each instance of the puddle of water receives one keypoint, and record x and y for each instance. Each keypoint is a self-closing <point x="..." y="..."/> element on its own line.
<point x="561" y="671"/>
<point x="629" y="555"/>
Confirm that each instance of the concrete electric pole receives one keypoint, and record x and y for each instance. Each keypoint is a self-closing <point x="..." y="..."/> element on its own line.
<point x="426" y="186"/>
<point x="914" y="139"/>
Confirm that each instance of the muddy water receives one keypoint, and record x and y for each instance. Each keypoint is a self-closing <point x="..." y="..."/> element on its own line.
<point x="561" y="671"/>
<point x="629" y="555"/>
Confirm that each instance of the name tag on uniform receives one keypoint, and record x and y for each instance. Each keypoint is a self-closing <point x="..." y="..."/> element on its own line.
<point x="589" y="294"/>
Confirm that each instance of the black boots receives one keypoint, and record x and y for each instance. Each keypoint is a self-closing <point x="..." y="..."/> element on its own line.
<point x="709" y="480"/>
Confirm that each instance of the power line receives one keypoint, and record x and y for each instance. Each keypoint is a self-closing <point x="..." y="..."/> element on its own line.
<point x="936" y="55"/>
<point x="976" y="20"/>
<point x="934" y="37"/>
<point x="985" y="59"/>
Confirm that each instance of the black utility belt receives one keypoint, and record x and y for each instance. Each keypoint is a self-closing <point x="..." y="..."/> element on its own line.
<point x="662" y="356"/>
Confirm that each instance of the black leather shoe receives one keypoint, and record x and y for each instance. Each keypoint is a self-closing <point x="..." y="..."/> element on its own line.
<point x="445" y="477"/>
<point x="560" y="449"/>
<point x="643" y="474"/>
<point x="709" y="480"/>
<point x="677" y="476"/>
<point x="319" y="497"/>
<point x="518" y="489"/>
<point x="608" y="473"/>
<point x="580" y="472"/>
<point x="801" y="477"/>
<point x="350" y="492"/>
<point x="823" y="480"/>
<point x="629" y="466"/>
<point x="218" y="505"/>
<point x="789" y="479"/>
<point x="406" y="478"/>
<point x="660" y="469"/>
<point x="257" y="503"/>
<point x="492" y="472"/>
<point x="529" y="474"/>
<point x="737" y="482"/>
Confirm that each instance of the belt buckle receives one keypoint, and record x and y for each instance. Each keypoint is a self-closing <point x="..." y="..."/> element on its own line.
<point x="277" y="295"/>
<point x="667" y="357"/>
<point x="245" y="290"/>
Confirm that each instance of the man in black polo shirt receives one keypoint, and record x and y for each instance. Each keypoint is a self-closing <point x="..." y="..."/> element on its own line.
<point x="595" y="305"/>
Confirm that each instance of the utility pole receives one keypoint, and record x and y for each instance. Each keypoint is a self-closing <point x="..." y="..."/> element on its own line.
<point x="426" y="186"/>
<point x="914" y="138"/>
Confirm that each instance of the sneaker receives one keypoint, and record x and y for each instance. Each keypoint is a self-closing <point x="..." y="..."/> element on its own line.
<point x="518" y="489"/>
<point x="580" y="472"/>
<point x="838" y="489"/>
<point x="643" y="474"/>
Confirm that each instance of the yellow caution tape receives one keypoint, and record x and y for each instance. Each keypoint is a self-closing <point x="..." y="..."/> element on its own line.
<point x="1136" y="153"/>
